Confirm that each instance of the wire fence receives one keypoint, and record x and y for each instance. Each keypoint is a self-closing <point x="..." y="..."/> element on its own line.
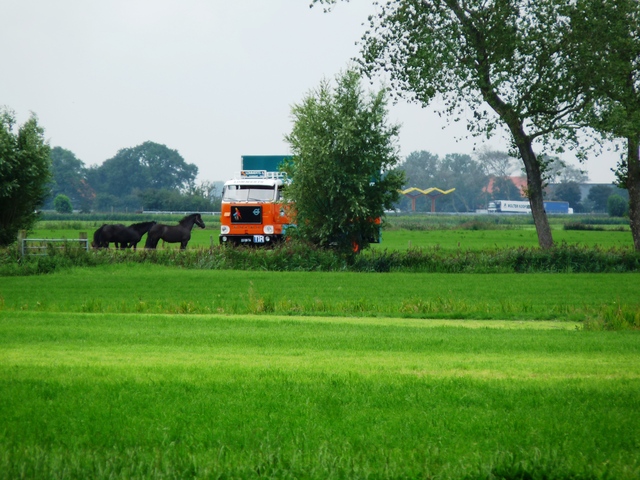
<point x="43" y="246"/>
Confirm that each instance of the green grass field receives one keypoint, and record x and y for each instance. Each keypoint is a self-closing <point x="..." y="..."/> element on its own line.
<point x="137" y="370"/>
<point x="166" y="396"/>
<point x="428" y="239"/>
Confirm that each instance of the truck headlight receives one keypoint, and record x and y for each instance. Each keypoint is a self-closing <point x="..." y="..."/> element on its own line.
<point x="224" y="229"/>
<point x="268" y="229"/>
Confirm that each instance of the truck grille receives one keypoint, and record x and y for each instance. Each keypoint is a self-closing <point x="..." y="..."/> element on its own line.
<point x="245" y="214"/>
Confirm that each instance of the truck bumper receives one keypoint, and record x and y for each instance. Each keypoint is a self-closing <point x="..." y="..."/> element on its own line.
<point x="255" y="240"/>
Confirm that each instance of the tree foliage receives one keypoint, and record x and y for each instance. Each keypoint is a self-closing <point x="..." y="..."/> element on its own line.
<point x="500" y="166"/>
<point x="606" y="57"/>
<point x="557" y="170"/>
<point x="499" y="58"/>
<point x="496" y="163"/>
<point x="469" y="187"/>
<point x="199" y="198"/>
<point x="69" y="177"/>
<point x="421" y="170"/>
<point x="343" y="152"/>
<point x="24" y="174"/>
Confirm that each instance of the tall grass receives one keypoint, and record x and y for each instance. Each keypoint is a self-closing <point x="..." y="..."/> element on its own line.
<point x="143" y="288"/>
<point x="563" y="258"/>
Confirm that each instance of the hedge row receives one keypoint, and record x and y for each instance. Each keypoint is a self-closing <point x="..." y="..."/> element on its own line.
<point x="299" y="257"/>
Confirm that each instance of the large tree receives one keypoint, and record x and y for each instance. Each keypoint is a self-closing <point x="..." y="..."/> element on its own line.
<point x="25" y="170"/>
<point x="497" y="57"/>
<point x="420" y="170"/>
<point x="505" y="189"/>
<point x="499" y="166"/>
<point x="343" y="152"/>
<point x="149" y="165"/>
<point x="606" y="53"/>
<point x="569" y="192"/>
<point x="469" y="180"/>
<point x="598" y="195"/>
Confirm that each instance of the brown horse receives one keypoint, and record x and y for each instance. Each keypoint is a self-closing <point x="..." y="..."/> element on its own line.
<point x="174" y="233"/>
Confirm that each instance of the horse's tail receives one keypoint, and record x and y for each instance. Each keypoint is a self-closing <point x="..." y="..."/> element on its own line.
<point x="153" y="237"/>
<point x="149" y="243"/>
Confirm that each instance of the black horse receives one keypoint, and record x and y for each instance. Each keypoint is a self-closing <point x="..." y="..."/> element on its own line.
<point x="174" y="233"/>
<point x="122" y="236"/>
<point x="105" y="234"/>
<point x="130" y="236"/>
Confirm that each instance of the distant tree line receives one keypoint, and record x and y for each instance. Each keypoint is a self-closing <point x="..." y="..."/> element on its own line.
<point x="488" y="175"/>
<point x="149" y="176"/>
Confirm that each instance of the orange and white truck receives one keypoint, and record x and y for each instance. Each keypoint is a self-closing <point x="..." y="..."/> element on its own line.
<point x="254" y="211"/>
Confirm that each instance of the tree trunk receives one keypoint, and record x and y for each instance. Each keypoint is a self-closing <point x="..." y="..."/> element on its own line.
<point x="534" y="180"/>
<point x="633" y="187"/>
<point x="535" y="194"/>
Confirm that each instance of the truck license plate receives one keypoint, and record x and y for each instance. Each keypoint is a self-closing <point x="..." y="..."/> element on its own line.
<point x="258" y="239"/>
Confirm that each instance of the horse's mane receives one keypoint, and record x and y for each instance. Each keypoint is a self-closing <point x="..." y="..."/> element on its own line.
<point x="187" y="218"/>
<point x="141" y="224"/>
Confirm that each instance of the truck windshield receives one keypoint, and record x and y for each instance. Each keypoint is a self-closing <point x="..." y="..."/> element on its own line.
<point x="248" y="193"/>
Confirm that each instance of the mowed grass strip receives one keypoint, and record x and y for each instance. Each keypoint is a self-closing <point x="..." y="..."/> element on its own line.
<point x="122" y="396"/>
<point x="478" y="240"/>
<point x="145" y="288"/>
<point x="307" y="343"/>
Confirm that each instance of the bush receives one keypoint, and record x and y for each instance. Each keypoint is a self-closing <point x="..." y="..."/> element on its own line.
<point x="62" y="204"/>
<point x="617" y="206"/>
<point x="586" y="226"/>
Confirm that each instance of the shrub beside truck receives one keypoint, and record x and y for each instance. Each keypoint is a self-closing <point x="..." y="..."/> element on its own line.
<point x="253" y="209"/>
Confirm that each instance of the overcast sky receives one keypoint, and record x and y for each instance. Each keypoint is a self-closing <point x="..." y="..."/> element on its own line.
<point x="212" y="79"/>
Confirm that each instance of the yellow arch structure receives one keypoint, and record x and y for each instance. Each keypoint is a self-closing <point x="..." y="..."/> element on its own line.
<point x="414" y="193"/>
